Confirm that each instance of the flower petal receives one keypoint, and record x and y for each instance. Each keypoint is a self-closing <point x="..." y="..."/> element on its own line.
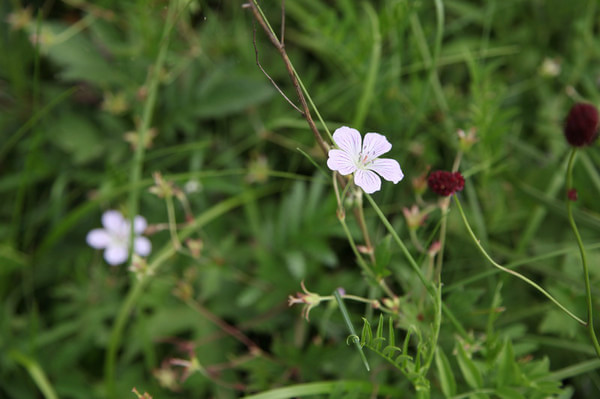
<point x="389" y="169"/>
<point x="375" y="144"/>
<point x="98" y="238"/>
<point x="139" y="224"/>
<point x="348" y="140"/>
<point x="113" y="221"/>
<point x="367" y="180"/>
<point x="142" y="246"/>
<point x="341" y="161"/>
<point x="115" y="255"/>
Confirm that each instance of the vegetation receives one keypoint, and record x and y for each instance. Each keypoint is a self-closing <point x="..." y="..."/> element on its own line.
<point x="270" y="275"/>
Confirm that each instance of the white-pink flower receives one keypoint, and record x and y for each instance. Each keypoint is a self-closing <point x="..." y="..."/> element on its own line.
<point x="114" y="237"/>
<point x="362" y="158"/>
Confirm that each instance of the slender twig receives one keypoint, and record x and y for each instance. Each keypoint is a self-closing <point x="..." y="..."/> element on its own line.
<point x="226" y="327"/>
<point x="282" y="22"/>
<point x="268" y="76"/>
<point x="258" y="15"/>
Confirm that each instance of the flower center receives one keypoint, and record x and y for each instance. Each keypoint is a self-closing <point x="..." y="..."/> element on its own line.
<point x="364" y="159"/>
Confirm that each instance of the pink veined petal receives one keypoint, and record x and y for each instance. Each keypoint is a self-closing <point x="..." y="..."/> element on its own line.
<point x="367" y="180"/>
<point x="142" y="246"/>
<point x="115" y="255"/>
<point x="139" y="224"/>
<point x="389" y="169"/>
<point x="375" y="144"/>
<point x="341" y="161"/>
<point x="113" y="221"/>
<point x="98" y="238"/>
<point x="348" y="140"/>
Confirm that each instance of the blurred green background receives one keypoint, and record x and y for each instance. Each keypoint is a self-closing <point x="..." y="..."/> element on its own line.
<point x="75" y="77"/>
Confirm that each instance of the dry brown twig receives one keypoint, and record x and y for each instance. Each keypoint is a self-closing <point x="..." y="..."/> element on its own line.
<point x="279" y="45"/>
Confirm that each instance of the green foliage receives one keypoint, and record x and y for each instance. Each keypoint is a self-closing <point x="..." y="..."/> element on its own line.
<point x="254" y="195"/>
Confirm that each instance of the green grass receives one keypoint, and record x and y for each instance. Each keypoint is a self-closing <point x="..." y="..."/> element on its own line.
<point x="252" y="191"/>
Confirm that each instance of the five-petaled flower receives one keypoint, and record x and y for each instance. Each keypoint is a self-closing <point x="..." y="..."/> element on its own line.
<point x="445" y="183"/>
<point x="361" y="158"/>
<point x="114" y="237"/>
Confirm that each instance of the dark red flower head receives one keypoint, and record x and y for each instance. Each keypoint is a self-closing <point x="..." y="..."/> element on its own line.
<point x="445" y="183"/>
<point x="581" y="126"/>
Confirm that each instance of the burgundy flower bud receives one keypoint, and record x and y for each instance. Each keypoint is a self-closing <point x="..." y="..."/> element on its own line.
<point x="445" y="183"/>
<point x="572" y="195"/>
<point x="581" y="125"/>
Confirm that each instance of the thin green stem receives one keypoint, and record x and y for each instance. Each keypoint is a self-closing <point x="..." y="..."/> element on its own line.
<point x="509" y="271"/>
<point x="172" y="222"/>
<point x="426" y="283"/>
<point x="361" y="262"/>
<point x="584" y="263"/>
<point x="363" y="228"/>
<point x="350" y="326"/>
<point x="147" y="113"/>
<point x="35" y="372"/>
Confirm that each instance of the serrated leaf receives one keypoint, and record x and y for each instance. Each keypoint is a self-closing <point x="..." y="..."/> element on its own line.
<point x="446" y="375"/>
<point x="468" y="368"/>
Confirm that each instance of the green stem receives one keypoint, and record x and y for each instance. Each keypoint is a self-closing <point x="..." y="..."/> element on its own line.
<point x="172" y="223"/>
<point x="350" y="326"/>
<point x="509" y="271"/>
<point x="36" y="373"/>
<point x="426" y="283"/>
<point x="147" y="113"/>
<point x="586" y="274"/>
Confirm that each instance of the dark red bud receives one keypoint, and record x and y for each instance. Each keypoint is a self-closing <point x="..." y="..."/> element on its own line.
<point x="581" y="125"/>
<point x="445" y="183"/>
<point x="572" y="195"/>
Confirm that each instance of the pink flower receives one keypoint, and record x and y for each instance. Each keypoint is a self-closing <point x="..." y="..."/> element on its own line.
<point x="114" y="237"/>
<point x="361" y="158"/>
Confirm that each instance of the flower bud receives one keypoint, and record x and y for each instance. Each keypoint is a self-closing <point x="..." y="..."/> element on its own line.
<point x="445" y="183"/>
<point x="581" y="125"/>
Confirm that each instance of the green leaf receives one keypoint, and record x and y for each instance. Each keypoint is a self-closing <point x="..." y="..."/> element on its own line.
<point x="79" y="58"/>
<point x="507" y="368"/>
<point x="223" y="93"/>
<point x="509" y="393"/>
<point x="447" y="380"/>
<point x="379" y="334"/>
<point x="383" y="255"/>
<point x="78" y="137"/>
<point x="367" y="333"/>
<point x="468" y="368"/>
